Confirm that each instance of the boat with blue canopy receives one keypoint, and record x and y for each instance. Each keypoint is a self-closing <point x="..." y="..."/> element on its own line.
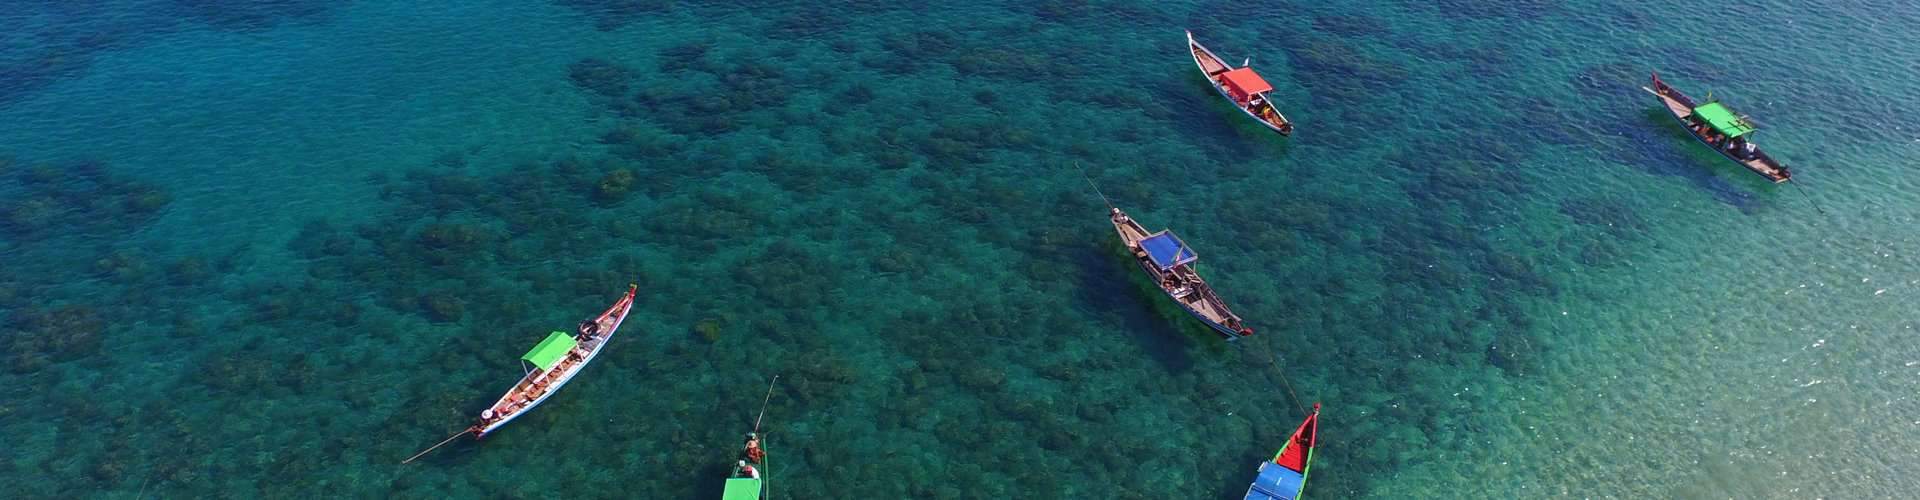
<point x="1285" y="477"/>
<point x="1720" y="128"/>
<point x="1169" y="262"/>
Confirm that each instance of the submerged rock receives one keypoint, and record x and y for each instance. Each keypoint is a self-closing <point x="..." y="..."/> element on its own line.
<point x="708" y="329"/>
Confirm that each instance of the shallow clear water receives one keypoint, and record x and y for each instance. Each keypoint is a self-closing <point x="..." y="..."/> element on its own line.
<point x="275" y="249"/>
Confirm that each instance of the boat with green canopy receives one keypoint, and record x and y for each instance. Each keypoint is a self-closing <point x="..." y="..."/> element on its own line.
<point x="554" y="363"/>
<point x="548" y="366"/>
<point x="1720" y="128"/>
<point x="749" y="480"/>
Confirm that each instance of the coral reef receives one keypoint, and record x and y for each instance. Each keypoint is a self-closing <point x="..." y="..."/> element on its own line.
<point x="76" y="198"/>
<point x="708" y="330"/>
<point x="38" y="337"/>
<point x="601" y="77"/>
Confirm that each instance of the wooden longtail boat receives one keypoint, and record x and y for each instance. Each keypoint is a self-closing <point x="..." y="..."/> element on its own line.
<point x="555" y="361"/>
<point x="1721" y="129"/>
<point x="751" y="473"/>
<point x="1285" y="477"/>
<point x="1169" y="262"/>
<point x="1241" y="86"/>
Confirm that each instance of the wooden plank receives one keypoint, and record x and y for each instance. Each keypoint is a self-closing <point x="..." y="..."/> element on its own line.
<point x="1674" y="107"/>
<point x="1207" y="63"/>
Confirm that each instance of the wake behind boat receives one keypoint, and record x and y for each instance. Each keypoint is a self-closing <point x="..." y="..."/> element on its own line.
<point x="1241" y="86"/>
<point x="1717" y="126"/>
<point x="555" y="361"/>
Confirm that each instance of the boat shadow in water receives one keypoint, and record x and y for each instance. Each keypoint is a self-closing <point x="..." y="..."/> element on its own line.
<point x="1112" y="288"/>
<point x="1218" y="130"/>
<point x="1662" y="148"/>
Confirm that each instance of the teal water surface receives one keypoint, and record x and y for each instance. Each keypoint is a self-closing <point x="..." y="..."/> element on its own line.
<point x="272" y="249"/>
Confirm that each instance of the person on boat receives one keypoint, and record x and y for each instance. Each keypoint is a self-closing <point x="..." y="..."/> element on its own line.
<point x="589" y="328"/>
<point x="748" y="470"/>
<point x="754" y="453"/>
<point x="486" y="416"/>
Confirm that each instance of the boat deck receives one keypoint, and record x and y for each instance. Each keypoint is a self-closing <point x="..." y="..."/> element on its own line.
<point x="1769" y="170"/>
<point x="1267" y="113"/>
<point x="1209" y="64"/>
<point x="1674" y="106"/>
<point x="537" y="384"/>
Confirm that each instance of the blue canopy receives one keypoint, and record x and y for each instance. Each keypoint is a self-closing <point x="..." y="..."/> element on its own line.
<point x="1167" y="251"/>
<point x="1275" y="483"/>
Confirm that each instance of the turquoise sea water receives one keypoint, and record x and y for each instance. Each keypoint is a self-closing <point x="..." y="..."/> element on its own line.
<point x="272" y="249"/>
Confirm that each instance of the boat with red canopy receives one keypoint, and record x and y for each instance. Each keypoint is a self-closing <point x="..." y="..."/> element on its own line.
<point x="1720" y="128"/>
<point x="1285" y="477"/>
<point x="1241" y="86"/>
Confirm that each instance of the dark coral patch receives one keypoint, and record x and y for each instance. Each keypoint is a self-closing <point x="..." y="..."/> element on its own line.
<point x="36" y="338"/>
<point x="602" y="77"/>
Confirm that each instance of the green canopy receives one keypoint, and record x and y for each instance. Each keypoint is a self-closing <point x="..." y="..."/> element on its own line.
<point x="1723" y="120"/>
<point x="550" y="350"/>
<point x="742" y="488"/>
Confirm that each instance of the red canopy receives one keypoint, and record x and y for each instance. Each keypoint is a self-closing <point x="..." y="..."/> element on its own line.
<point x="1243" y="83"/>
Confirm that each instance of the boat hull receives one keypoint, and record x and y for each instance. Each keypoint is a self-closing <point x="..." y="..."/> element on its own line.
<point x="618" y="315"/>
